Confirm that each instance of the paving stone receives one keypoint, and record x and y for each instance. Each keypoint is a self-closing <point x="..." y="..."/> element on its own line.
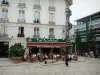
<point x="88" y="66"/>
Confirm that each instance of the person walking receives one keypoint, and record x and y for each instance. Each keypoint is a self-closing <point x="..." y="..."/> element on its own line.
<point x="39" y="58"/>
<point x="66" y="61"/>
<point x="38" y="55"/>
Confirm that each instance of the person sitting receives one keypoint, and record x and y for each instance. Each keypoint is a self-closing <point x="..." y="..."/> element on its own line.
<point x="69" y="57"/>
<point x="54" y="56"/>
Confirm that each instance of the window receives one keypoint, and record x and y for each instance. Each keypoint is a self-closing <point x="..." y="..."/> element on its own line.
<point x="4" y="1"/>
<point x="3" y="29"/>
<point x="36" y="17"/>
<point x="51" y="31"/>
<point x="21" y="30"/>
<point x="51" y="2"/>
<point x="36" y="31"/>
<point x="4" y="13"/>
<point x="21" y="1"/>
<point x="37" y="2"/>
<point x="51" y="16"/>
<point x="22" y="14"/>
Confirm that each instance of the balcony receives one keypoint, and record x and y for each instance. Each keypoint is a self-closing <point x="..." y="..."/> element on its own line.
<point x="68" y="12"/>
<point x="37" y="7"/>
<point x="36" y="22"/>
<point x="21" y="5"/>
<point x="4" y="3"/>
<point x="69" y="1"/>
<point x="4" y="20"/>
<point x="21" y="20"/>
<point x="51" y="36"/>
<point x="3" y="35"/>
<point x="36" y="36"/>
<point x="52" y="8"/>
<point x="20" y="35"/>
<point x="69" y="25"/>
<point x="51" y="23"/>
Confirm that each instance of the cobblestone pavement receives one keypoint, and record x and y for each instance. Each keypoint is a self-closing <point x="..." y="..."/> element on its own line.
<point x="86" y="66"/>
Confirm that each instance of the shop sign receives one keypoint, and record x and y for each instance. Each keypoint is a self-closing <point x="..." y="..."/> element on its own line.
<point x="46" y="40"/>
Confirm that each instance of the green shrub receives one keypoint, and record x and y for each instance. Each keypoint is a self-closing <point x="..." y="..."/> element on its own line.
<point x="16" y="51"/>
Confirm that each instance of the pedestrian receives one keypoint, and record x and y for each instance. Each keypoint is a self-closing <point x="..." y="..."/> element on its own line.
<point x="45" y="61"/>
<point x="72" y="56"/>
<point x="39" y="58"/>
<point x="69" y="57"/>
<point x="66" y="61"/>
<point x="96" y="53"/>
<point x="38" y="55"/>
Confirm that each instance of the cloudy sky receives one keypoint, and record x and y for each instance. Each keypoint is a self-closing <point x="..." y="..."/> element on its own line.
<point x="81" y="8"/>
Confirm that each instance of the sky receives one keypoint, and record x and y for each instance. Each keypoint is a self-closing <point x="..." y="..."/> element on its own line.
<point x="82" y="8"/>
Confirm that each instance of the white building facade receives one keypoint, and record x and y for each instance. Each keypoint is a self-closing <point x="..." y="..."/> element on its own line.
<point x="72" y="33"/>
<point x="20" y="19"/>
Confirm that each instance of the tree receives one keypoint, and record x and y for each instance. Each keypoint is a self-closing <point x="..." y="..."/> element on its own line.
<point x="16" y="50"/>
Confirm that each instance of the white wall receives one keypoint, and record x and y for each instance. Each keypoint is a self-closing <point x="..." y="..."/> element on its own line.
<point x="60" y="12"/>
<point x="13" y="11"/>
<point x="44" y="31"/>
<point x="60" y="18"/>
<point x="12" y="30"/>
<point x="13" y="14"/>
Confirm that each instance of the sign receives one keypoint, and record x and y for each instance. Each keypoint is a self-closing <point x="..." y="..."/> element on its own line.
<point x="47" y="40"/>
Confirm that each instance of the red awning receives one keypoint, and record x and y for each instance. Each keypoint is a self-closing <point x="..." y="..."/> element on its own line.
<point x="49" y="45"/>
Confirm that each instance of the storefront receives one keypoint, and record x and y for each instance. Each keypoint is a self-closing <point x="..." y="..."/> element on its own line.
<point x="43" y="45"/>
<point x="4" y="46"/>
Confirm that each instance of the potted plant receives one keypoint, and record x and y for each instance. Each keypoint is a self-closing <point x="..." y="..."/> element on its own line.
<point x="16" y="52"/>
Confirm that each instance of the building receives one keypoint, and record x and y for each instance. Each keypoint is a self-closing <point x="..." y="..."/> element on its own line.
<point x="72" y="38"/>
<point x="72" y="33"/>
<point x="89" y="29"/>
<point x="34" y="19"/>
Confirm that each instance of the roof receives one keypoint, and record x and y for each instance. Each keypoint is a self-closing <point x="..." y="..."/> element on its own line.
<point x="88" y="16"/>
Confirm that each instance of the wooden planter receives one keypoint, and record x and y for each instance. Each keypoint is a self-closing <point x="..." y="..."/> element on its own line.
<point x="16" y="61"/>
<point x="63" y="58"/>
<point x="75" y="57"/>
<point x="57" y="58"/>
<point x="31" y="59"/>
<point x="23" y="59"/>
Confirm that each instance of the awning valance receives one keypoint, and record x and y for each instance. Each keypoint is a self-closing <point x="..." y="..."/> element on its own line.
<point x="49" y="45"/>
